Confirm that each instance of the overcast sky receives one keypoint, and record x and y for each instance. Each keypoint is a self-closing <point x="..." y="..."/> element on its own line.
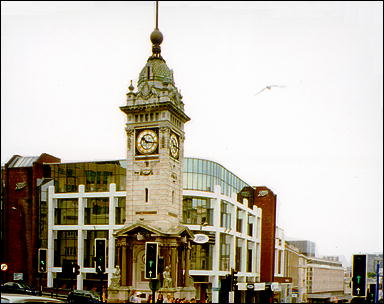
<point x="317" y="142"/>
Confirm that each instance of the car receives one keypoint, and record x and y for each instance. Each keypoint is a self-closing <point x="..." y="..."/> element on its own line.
<point x="19" y="298"/>
<point x="18" y="287"/>
<point x="83" y="297"/>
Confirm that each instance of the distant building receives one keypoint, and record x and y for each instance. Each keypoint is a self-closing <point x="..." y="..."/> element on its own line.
<point x="373" y="260"/>
<point x="295" y="268"/>
<point x="306" y="247"/>
<point x="325" y="280"/>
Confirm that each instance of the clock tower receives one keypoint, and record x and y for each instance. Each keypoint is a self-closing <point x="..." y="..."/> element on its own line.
<point x="155" y="154"/>
<point x="155" y="144"/>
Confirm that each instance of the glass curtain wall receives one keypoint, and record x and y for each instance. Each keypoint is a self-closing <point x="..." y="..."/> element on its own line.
<point x="66" y="212"/>
<point x="120" y="211"/>
<point x="201" y="256"/>
<point x="203" y="175"/>
<point x="225" y="214"/>
<point x="225" y="251"/>
<point x="96" y="176"/>
<point x="97" y="211"/>
<point x="65" y="247"/>
<point x="197" y="211"/>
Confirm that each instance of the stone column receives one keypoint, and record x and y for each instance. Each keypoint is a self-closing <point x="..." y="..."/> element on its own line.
<point x="129" y="254"/>
<point x="180" y="264"/>
<point x="187" y="282"/>
<point x="123" y="262"/>
<point x="174" y="268"/>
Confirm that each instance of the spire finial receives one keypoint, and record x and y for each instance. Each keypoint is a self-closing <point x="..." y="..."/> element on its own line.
<point x="156" y="36"/>
<point x="157" y="15"/>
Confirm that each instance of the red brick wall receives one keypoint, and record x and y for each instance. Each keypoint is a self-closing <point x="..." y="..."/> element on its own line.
<point x="21" y="219"/>
<point x="17" y="220"/>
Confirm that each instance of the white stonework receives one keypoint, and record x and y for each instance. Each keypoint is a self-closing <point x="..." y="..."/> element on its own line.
<point x="154" y="180"/>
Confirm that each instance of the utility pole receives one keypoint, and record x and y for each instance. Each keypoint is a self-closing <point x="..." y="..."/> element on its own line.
<point x="377" y="282"/>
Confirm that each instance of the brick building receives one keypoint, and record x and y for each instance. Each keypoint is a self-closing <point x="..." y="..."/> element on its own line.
<point x="20" y="214"/>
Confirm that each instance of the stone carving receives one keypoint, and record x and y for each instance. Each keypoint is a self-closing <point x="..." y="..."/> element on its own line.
<point x="146" y="172"/>
<point x="167" y="279"/>
<point x="115" y="280"/>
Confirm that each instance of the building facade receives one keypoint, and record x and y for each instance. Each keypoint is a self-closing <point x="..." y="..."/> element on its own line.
<point x="22" y="176"/>
<point x="88" y="201"/>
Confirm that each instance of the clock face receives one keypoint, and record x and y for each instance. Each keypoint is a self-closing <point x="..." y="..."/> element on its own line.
<point x="174" y="146"/>
<point x="147" y="141"/>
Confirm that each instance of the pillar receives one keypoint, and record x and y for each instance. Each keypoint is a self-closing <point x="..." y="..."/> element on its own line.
<point x="123" y="263"/>
<point x="174" y="268"/>
<point x="129" y="253"/>
<point x="187" y="265"/>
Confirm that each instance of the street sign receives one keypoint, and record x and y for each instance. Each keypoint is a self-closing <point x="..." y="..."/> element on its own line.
<point x="4" y="267"/>
<point x="18" y="276"/>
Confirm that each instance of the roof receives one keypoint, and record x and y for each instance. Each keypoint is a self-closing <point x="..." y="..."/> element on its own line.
<point x="22" y="161"/>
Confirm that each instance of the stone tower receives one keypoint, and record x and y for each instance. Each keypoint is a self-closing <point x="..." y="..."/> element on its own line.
<point x="155" y="149"/>
<point x="155" y="144"/>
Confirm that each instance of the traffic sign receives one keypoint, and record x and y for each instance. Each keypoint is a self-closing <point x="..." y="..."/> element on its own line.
<point x="4" y="267"/>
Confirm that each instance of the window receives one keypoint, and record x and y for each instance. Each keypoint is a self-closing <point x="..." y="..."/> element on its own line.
<point x="249" y="259"/>
<point x="120" y="211"/>
<point x="97" y="211"/>
<point x="197" y="211"/>
<point x="225" y="214"/>
<point x="201" y="256"/>
<point x="96" y="176"/>
<point x="225" y="251"/>
<point x="66" y="212"/>
<point x="65" y="247"/>
<point x="146" y="195"/>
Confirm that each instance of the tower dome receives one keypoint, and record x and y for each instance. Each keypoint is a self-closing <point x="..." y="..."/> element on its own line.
<point x="156" y="69"/>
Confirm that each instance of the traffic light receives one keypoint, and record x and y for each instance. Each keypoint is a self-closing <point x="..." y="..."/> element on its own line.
<point x="233" y="280"/>
<point x="359" y="273"/>
<point x="100" y="252"/>
<point x="42" y="260"/>
<point x="76" y="269"/>
<point x="151" y="259"/>
<point x="67" y="269"/>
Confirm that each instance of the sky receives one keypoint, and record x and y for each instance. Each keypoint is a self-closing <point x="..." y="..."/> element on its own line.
<point x="316" y="139"/>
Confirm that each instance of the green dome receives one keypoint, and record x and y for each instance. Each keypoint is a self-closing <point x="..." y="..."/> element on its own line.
<point x="156" y="69"/>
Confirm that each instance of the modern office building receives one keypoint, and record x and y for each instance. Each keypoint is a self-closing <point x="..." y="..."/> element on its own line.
<point x="86" y="201"/>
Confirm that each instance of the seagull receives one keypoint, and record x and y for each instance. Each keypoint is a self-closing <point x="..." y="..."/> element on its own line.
<point x="270" y="87"/>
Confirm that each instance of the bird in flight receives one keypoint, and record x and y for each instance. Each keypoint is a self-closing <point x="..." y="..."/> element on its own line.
<point x="268" y="87"/>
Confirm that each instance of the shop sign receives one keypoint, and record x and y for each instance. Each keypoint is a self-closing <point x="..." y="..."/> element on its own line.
<point x="275" y="287"/>
<point x="201" y="238"/>
<point x="241" y="286"/>
<point x="249" y="286"/>
<point x="259" y="286"/>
